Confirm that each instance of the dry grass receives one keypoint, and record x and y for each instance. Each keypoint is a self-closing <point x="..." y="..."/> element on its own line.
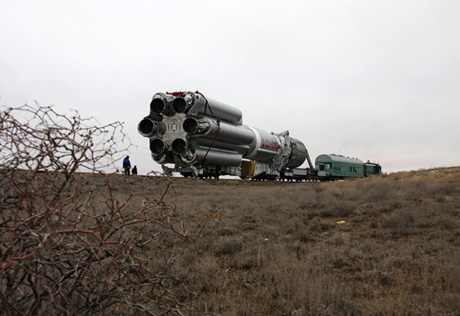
<point x="386" y="245"/>
<point x="284" y="251"/>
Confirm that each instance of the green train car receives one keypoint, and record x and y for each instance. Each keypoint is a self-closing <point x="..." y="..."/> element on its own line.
<point x="371" y="168"/>
<point x="339" y="167"/>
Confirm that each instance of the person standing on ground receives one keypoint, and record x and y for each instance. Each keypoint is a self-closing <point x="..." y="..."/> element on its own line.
<point x="127" y="165"/>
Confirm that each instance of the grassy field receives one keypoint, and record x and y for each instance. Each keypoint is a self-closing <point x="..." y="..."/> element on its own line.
<point x="386" y="245"/>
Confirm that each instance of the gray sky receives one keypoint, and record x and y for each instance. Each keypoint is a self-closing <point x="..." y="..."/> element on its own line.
<point x="376" y="80"/>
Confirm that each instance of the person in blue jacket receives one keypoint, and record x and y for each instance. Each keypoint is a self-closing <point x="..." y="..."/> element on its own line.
<point x="126" y="165"/>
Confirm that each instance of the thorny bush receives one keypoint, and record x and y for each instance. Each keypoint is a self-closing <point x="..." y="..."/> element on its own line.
<point x="68" y="247"/>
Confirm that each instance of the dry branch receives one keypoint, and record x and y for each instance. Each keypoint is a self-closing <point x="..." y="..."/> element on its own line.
<point x="62" y="251"/>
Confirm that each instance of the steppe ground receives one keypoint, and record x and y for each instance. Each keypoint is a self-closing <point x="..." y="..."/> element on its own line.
<point x="383" y="245"/>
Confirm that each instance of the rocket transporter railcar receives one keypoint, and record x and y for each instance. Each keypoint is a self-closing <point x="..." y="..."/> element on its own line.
<point x="202" y="137"/>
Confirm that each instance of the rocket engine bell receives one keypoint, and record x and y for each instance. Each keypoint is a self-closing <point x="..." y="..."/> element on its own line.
<point x="190" y="130"/>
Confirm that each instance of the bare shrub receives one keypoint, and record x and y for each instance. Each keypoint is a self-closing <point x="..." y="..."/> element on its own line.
<point x="68" y="245"/>
<point x="47" y="141"/>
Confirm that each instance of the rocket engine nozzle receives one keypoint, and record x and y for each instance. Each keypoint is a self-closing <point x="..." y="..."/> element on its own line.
<point x="180" y="105"/>
<point x="161" y="104"/>
<point x="158" y="147"/>
<point x="193" y="126"/>
<point x="148" y="127"/>
<point x="157" y="106"/>
<point x="179" y="146"/>
<point x="183" y="103"/>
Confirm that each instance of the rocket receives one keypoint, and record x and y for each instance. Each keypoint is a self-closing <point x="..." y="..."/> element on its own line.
<point x="199" y="134"/>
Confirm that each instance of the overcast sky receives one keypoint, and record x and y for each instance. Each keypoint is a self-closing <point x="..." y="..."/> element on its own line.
<point x="377" y="80"/>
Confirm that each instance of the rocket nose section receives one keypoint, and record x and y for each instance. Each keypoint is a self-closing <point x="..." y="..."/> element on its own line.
<point x="298" y="155"/>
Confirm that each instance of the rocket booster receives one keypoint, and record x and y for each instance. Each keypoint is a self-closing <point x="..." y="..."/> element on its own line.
<point x="188" y="129"/>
